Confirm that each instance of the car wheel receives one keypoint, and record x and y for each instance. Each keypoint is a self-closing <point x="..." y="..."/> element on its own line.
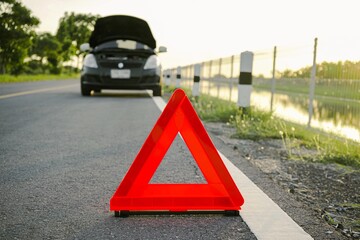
<point x="157" y="91"/>
<point x="85" y="91"/>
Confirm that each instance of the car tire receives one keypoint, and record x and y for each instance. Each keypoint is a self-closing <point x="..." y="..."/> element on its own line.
<point x="85" y="91"/>
<point x="157" y="91"/>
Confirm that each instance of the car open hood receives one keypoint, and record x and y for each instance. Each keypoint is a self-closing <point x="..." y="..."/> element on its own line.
<point x="121" y="27"/>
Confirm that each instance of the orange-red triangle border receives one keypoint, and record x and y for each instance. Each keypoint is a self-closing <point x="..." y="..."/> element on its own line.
<point x="135" y="193"/>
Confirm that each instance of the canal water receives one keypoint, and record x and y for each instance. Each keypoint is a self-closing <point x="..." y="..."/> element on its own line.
<point x="340" y="116"/>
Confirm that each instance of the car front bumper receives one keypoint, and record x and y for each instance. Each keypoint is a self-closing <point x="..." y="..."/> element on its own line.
<point x="98" y="79"/>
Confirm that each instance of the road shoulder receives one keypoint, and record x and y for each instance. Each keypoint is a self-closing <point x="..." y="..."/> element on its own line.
<point x="302" y="214"/>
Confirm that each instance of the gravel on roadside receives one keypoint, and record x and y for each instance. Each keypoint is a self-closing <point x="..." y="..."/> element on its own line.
<point x="322" y="198"/>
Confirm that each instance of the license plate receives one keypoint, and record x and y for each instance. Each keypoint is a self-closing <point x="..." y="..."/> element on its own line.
<point x="120" y="73"/>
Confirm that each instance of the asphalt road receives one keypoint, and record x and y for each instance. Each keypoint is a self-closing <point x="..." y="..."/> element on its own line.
<point x="63" y="155"/>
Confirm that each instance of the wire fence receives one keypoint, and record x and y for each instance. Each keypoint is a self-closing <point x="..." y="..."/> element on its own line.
<point x="281" y="84"/>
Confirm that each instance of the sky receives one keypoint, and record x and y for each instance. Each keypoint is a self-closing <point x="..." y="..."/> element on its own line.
<point x="200" y="30"/>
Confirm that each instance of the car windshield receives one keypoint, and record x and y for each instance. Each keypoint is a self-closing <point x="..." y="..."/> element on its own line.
<point x="124" y="44"/>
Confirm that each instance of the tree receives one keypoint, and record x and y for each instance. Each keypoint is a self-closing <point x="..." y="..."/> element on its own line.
<point x="287" y="73"/>
<point x="46" y="49"/>
<point x="74" y="29"/>
<point x="16" y="30"/>
<point x="54" y="59"/>
<point x="328" y="70"/>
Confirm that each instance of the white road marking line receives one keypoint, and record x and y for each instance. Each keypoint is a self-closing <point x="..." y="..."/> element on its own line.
<point x="263" y="216"/>
<point x="160" y="103"/>
<point x="35" y="91"/>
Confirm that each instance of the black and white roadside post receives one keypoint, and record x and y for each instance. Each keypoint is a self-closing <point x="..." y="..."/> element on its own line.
<point x="245" y="81"/>
<point x="178" y="77"/>
<point x="164" y="78"/>
<point x="167" y="78"/>
<point x="196" y="85"/>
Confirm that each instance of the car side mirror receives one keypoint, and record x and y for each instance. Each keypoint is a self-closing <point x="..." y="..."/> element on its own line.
<point x="85" y="47"/>
<point x="162" y="49"/>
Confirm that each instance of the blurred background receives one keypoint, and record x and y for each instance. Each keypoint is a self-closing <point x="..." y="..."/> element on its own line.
<point x="40" y="36"/>
<point x="195" y="31"/>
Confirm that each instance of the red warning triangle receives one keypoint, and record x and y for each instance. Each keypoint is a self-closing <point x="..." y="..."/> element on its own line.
<point x="136" y="193"/>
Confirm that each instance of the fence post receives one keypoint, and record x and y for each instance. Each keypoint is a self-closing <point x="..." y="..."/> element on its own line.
<point x="188" y="75"/>
<point x="196" y="85"/>
<point x="178" y="77"/>
<point x="167" y="78"/>
<point x="312" y="84"/>
<point x="231" y="77"/>
<point x="273" y="82"/>
<point x="245" y="80"/>
<point x="209" y="77"/>
<point x="202" y="67"/>
<point x="218" y="80"/>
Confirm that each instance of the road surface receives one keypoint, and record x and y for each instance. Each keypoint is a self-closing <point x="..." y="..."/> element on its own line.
<point x="62" y="156"/>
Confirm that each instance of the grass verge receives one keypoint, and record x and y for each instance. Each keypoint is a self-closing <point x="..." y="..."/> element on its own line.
<point x="256" y="125"/>
<point x="33" y="78"/>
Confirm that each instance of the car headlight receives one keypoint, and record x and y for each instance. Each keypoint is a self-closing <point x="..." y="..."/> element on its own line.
<point x="90" y="61"/>
<point x="152" y="62"/>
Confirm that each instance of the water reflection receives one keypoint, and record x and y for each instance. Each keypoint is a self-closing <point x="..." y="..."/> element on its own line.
<point x="337" y="115"/>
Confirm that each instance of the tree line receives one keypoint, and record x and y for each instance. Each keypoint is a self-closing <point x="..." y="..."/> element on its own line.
<point x="326" y="70"/>
<point x="23" y="50"/>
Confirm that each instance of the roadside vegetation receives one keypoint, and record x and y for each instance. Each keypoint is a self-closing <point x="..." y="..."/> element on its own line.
<point x="23" y="50"/>
<point x="39" y="77"/>
<point x="300" y="142"/>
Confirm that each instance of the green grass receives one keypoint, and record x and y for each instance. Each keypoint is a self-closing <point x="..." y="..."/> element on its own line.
<point x="352" y="205"/>
<point x="329" y="148"/>
<point x="209" y="108"/>
<point x="32" y="78"/>
<point x="213" y="110"/>
<point x="258" y="125"/>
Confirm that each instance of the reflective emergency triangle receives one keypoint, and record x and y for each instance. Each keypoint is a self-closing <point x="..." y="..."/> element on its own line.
<point x="136" y="193"/>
